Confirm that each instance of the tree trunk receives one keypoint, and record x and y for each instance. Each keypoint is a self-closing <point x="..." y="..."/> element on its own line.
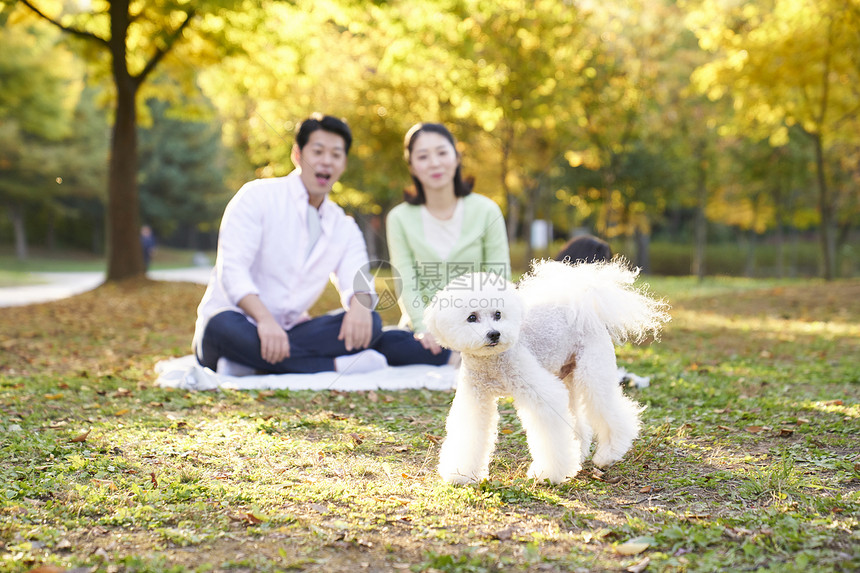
<point x="16" y="214"/>
<point x="125" y="257"/>
<point x="825" y="210"/>
<point x="749" y="265"/>
<point x="779" y="236"/>
<point x="701" y="223"/>
<point x="528" y="221"/>
<point x="510" y="198"/>
<point x="51" y="232"/>
<point x="643" y="250"/>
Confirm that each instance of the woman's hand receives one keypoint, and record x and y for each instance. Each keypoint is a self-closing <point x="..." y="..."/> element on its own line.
<point x="428" y="341"/>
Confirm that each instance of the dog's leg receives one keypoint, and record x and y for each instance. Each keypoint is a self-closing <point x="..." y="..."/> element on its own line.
<point x="542" y="406"/>
<point x="582" y="426"/>
<point x="471" y="431"/>
<point x="614" y="417"/>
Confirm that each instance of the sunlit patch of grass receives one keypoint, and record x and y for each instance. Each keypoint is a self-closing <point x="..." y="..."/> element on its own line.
<point x="746" y="460"/>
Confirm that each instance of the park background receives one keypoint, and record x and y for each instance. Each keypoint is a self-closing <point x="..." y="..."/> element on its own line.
<point x="706" y="137"/>
<point x="698" y="136"/>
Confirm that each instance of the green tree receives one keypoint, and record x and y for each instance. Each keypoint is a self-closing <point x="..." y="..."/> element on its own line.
<point x="182" y="170"/>
<point x="788" y="63"/>
<point x="127" y="42"/>
<point x="36" y="105"/>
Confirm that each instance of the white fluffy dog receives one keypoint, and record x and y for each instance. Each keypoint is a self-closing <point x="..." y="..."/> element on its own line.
<point x="549" y="344"/>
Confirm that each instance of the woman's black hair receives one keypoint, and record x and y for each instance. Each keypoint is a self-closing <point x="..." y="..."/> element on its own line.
<point x="326" y="123"/>
<point x="587" y="248"/>
<point x="415" y="194"/>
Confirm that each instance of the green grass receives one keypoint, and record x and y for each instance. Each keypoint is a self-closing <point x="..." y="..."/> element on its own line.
<point x="16" y="272"/>
<point x="747" y="460"/>
<point x="14" y="279"/>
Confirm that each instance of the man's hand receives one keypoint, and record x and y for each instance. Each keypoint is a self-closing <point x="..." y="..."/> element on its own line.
<point x="428" y="341"/>
<point x="357" y="327"/>
<point x="274" y="342"/>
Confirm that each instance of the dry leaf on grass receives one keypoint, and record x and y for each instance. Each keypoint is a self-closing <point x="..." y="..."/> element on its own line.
<point x="639" y="567"/>
<point x="634" y="546"/>
<point x="630" y="548"/>
<point x="81" y="437"/>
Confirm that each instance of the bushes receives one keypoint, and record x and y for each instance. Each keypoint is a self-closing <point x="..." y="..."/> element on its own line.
<point x="799" y="259"/>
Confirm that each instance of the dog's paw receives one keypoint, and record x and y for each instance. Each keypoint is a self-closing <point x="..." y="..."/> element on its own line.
<point x="604" y="457"/>
<point x="554" y="475"/>
<point x="458" y="477"/>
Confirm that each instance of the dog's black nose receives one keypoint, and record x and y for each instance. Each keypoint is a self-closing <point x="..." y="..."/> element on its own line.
<point x="494" y="335"/>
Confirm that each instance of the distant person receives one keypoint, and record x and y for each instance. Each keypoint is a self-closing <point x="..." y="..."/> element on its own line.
<point x="280" y="240"/>
<point x="591" y="249"/>
<point x="585" y="248"/>
<point x="147" y="243"/>
<point x="442" y="230"/>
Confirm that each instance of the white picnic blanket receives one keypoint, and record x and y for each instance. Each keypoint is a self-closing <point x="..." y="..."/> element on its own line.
<point x="185" y="373"/>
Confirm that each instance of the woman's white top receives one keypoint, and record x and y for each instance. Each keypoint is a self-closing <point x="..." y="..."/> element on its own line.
<point x="442" y="234"/>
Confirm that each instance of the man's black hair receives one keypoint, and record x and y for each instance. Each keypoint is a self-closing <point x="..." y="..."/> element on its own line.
<point x="326" y="123"/>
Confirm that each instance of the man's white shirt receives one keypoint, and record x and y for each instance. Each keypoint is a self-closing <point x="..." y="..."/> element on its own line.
<point x="264" y="248"/>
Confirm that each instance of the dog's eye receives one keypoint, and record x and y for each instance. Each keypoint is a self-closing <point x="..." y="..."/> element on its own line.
<point x="497" y="316"/>
<point x="472" y="318"/>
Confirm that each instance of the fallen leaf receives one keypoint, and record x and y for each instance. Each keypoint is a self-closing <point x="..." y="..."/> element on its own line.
<point x="122" y="412"/>
<point x="726" y="428"/>
<point x="833" y="403"/>
<point x="503" y="535"/>
<point x="631" y="548"/>
<point x="106" y="482"/>
<point x="373" y="397"/>
<point x="646" y="489"/>
<point x="356" y="438"/>
<point x="785" y="432"/>
<point x="801" y="421"/>
<point x="639" y="567"/>
<point x="82" y="437"/>
<point x="507" y="430"/>
<point x="319" y="508"/>
<point x="53" y="396"/>
<point x="754" y="429"/>
<point x="152" y="479"/>
<point x="432" y="438"/>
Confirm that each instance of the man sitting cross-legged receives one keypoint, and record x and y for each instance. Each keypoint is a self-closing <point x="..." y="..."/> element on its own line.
<point x="280" y="240"/>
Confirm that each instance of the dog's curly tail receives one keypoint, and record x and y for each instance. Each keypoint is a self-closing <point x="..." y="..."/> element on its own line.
<point x="600" y="293"/>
